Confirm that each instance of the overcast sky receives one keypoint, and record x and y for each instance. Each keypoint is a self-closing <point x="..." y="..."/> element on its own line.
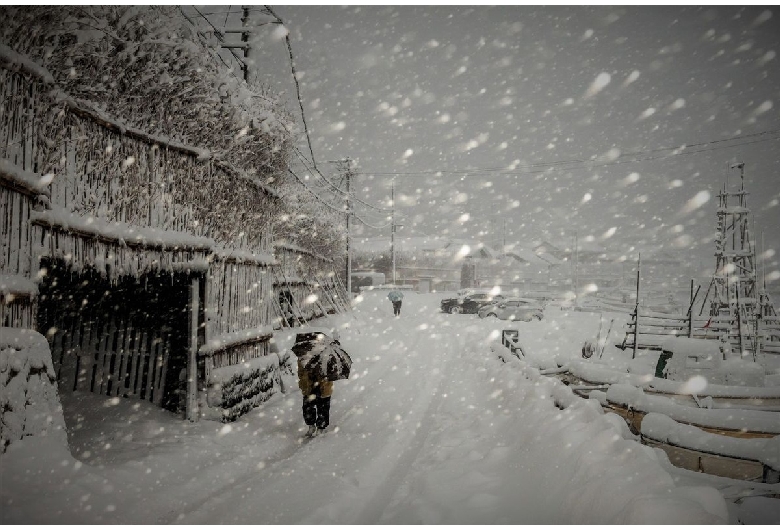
<point x="544" y="106"/>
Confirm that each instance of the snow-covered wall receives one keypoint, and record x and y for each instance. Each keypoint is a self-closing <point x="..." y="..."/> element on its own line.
<point x="29" y="401"/>
<point x="235" y="390"/>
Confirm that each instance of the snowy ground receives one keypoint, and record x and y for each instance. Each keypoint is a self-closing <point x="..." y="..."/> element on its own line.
<point x="431" y="428"/>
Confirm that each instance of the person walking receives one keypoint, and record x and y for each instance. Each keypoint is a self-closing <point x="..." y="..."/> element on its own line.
<point x="315" y="385"/>
<point x="316" y="390"/>
<point x="396" y="297"/>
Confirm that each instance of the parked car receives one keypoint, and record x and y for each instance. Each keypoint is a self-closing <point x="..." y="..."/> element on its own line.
<point x="469" y="304"/>
<point x="525" y="309"/>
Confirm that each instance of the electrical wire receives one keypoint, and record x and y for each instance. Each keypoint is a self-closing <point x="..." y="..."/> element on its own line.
<point x="576" y="163"/>
<point x="297" y="85"/>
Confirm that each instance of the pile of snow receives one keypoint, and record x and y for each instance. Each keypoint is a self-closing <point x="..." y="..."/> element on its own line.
<point x="28" y="390"/>
<point x="704" y="358"/>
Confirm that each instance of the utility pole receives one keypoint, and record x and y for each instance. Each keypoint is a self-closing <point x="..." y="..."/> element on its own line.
<point x="245" y="40"/>
<point x="636" y="307"/>
<point x="348" y="174"/>
<point x="576" y="267"/>
<point x="392" y="226"/>
<point x="503" y="246"/>
<point x="246" y="46"/>
<point x="345" y="167"/>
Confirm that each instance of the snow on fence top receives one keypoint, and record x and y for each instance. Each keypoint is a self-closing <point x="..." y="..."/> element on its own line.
<point x="21" y="62"/>
<point x="91" y="112"/>
<point x="291" y="280"/>
<point x="228" y="340"/>
<point x="13" y="59"/>
<point x="664" y="429"/>
<point x="121" y="233"/>
<point x="24" y="181"/>
<point x="17" y="285"/>
<point x="88" y="110"/>
<point x="244" y="256"/>
<point x="295" y="248"/>
<point x="733" y="419"/>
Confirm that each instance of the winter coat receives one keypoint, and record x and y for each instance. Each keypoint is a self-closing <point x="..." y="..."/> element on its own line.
<point x="309" y="383"/>
<point x="395" y="296"/>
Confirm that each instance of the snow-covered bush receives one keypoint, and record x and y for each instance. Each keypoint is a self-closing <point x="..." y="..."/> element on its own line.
<point x="29" y="402"/>
<point x="149" y="67"/>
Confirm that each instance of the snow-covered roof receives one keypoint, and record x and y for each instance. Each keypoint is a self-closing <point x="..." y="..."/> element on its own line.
<point x="226" y="340"/>
<point x="527" y="256"/>
<point x="549" y="258"/>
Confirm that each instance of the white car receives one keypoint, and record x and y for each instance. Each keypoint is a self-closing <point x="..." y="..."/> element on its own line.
<point x="525" y="309"/>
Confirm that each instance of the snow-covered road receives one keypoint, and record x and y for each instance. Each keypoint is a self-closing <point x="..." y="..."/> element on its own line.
<point x="431" y="428"/>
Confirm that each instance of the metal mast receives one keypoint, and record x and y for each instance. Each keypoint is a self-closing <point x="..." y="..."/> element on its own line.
<point x="735" y="296"/>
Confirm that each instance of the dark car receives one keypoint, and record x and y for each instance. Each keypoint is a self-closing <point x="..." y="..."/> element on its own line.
<point x="468" y="304"/>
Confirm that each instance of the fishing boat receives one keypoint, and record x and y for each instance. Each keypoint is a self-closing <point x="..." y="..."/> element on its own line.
<point x="633" y="404"/>
<point x="695" y="391"/>
<point x="688" y="447"/>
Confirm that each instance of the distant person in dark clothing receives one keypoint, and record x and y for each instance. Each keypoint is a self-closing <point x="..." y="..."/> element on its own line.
<point x="395" y="297"/>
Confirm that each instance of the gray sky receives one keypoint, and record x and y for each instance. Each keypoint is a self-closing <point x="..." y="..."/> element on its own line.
<point x="526" y="97"/>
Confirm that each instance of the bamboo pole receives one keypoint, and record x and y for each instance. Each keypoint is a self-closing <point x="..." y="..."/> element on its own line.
<point x="636" y="310"/>
<point x="192" y="365"/>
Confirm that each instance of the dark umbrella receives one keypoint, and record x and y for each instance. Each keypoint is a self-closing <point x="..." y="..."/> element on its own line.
<point x="327" y="359"/>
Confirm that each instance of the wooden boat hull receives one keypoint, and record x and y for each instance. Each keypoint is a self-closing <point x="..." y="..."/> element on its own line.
<point x="718" y="465"/>
<point x="634" y="420"/>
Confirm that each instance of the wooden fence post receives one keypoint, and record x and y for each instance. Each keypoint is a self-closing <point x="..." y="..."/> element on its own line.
<point x="192" y="364"/>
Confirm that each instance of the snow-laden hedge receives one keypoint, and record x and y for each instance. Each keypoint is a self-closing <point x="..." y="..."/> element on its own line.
<point x="152" y="69"/>
<point x="235" y="390"/>
<point x="29" y="402"/>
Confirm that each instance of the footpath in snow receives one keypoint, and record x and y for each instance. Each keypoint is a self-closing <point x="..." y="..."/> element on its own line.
<point x="432" y="428"/>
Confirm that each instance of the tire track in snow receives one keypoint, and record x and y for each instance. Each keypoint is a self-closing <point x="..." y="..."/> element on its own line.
<point x="379" y="483"/>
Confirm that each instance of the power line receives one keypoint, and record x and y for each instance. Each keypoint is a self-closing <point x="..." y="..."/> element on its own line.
<point x="577" y="163"/>
<point x="297" y="85"/>
<point x="336" y="188"/>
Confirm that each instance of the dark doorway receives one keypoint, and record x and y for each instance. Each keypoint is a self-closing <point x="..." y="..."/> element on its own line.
<point x="126" y="338"/>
